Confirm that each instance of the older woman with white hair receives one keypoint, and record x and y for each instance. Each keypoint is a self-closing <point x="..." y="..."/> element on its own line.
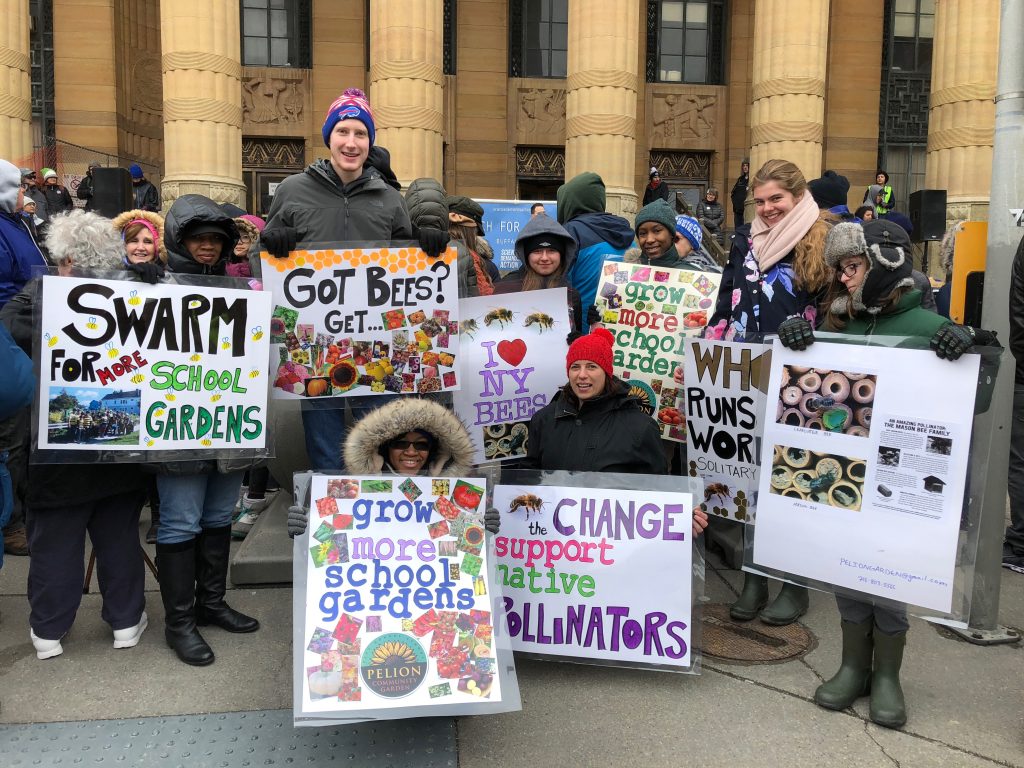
<point x="70" y="500"/>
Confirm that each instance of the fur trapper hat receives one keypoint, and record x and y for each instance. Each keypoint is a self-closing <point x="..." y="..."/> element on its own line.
<point x="887" y="248"/>
<point x="122" y="221"/>
<point x="452" y="452"/>
<point x="85" y="240"/>
<point x="247" y="229"/>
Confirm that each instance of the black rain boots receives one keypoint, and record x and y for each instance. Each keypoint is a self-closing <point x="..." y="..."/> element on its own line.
<point x="213" y="551"/>
<point x="176" y="564"/>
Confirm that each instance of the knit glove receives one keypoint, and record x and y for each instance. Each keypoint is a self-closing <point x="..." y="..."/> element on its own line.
<point x="298" y="519"/>
<point x="279" y="241"/>
<point x="952" y="340"/>
<point x="148" y="271"/>
<point x="434" y="242"/>
<point x="572" y="336"/>
<point x="492" y="520"/>
<point x="796" y="333"/>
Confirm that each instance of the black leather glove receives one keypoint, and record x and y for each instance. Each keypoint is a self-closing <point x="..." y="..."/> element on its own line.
<point x="796" y="333"/>
<point x="593" y="315"/>
<point x="298" y="519"/>
<point x="492" y="520"/>
<point x="434" y="242"/>
<point x="983" y="338"/>
<point x="952" y="340"/>
<point x="279" y="241"/>
<point x="148" y="271"/>
<point x="572" y="336"/>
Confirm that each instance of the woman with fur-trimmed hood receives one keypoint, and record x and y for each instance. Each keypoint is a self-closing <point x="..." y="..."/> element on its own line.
<point x="410" y="436"/>
<point x="143" y="235"/>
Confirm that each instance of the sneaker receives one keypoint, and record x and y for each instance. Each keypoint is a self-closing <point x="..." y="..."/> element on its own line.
<point x="15" y="541"/>
<point x="130" y="636"/>
<point x="45" y="649"/>
<point x="246" y="518"/>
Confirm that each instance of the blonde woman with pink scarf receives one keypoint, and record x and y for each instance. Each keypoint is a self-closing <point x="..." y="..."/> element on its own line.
<point x="776" y="271"/>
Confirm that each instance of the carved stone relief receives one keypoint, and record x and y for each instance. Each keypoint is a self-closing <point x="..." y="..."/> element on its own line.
<point x="542" y="113"/>
<point x="273" y="100"/>
<point x="147" y="85"/>
<point x="681" y="116"/>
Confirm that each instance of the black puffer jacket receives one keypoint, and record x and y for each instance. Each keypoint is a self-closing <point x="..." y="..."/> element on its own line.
<point x="1017" y="311"/>
<point x="608" y="434"/>
<point x="428" y="209"/>
<point x="184" y="214"/>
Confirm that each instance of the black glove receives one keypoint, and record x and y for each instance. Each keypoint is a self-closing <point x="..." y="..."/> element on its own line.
<point x="434" y="242"/>
<point x="593" y="315"/>
<point x="148" y="271"/>
<point x="983" y="338"/>
<point x="279" y="241"/>
<point x="573" y="335"/>
<point x="796" y="333"/>
<point x="492" y="520"/>
<point x="298" y="519"/>
<point x="952" y="340"/>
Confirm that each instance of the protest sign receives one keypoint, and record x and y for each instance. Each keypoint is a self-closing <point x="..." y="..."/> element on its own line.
<point x="127" y="366"/>
<point x="868" y="451"/>
<point x="362" y="321"/>
<point x="513" y="361"/>
<point x="503" y="221"/>
<point x="725" y="394"/>
<point x="597" y="574"/>
<point x="651" y="311"/>
<point x="394" y="601"/>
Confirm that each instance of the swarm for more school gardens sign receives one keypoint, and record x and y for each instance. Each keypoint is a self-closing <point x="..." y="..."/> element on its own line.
<point x="128" y="366"/>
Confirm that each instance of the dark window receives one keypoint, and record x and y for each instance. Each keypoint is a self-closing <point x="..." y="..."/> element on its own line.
<point x="450" y="37"/>
<point x="913" y="27"/>
<point x="685" y="41"/>
<point x="538" y="38"/>
<point x="276" y="33"/>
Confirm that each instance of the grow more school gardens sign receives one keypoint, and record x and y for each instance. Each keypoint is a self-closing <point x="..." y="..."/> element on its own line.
<point x="128" y="366"/>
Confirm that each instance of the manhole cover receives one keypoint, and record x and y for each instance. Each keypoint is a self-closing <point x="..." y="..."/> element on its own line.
<point x="750" y="641"/>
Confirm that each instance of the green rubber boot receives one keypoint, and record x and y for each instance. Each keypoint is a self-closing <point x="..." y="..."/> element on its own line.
<point x="853" y="679"/>
<point x="788" y="606"/>
<point x="752" y="599"/>
<point x="887" y="705"/>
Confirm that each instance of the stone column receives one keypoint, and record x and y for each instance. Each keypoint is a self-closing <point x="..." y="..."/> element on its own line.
<point x="601" y="96"/>
<point x="787" y="116"/>
<point x="406" y="91"/>
<point x="961" y="115"/>
<point x="202" y="72"/>
<point x="15" y="83"/>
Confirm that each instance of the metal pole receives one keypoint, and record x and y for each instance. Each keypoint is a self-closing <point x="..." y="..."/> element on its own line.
<point x="1004" y="234"/>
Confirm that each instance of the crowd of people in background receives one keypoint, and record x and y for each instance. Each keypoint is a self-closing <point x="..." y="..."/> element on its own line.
<point x="825" y="266"/>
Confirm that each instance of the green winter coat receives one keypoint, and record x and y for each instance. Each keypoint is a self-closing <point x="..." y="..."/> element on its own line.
<point x="907" y="318"/>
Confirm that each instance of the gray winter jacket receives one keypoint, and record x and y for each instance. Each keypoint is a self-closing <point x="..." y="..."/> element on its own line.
<point x="428" y="209"/>
<point x="323" y="210"/>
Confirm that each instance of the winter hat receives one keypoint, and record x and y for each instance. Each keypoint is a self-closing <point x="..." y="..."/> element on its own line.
<point x="136" y="171"/>
<point x="596" y="347"/>
<point x="29" y="203"/>
<point x="256" y="221"/>
<point x="899" y="219"/>
<point x="545" y="240"/>
<point x="659" y="211"/>
<point x="653" y="172"/>
<point x="247" y="228"/>
<point x="27" y="173"/>
<point x="351" y="104"/>
<point x="830" y="190"/>
<point x="468" y="207"/>
<point x="49" y="173"/>
<point x="844" y="239"/>
<point x="689" y="227"/>
<point x="887" y="249"/>
<point x="152" y="221"/>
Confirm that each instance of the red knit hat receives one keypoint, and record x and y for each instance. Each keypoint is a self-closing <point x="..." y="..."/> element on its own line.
<point x="596" y="347"/>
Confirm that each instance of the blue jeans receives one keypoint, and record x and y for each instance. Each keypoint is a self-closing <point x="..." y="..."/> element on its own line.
<point x="324" y="425"/>
<point x="190" y="503"/>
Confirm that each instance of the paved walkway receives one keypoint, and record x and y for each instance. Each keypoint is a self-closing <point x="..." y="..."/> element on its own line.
<point x="135" y="707"/>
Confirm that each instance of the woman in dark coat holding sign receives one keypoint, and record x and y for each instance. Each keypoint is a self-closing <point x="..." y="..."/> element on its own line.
<point x="197" y="498"/>
<point x="67" y="499"/>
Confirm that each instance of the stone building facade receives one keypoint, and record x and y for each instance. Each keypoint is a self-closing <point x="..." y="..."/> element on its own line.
<point x="507" y="98"/>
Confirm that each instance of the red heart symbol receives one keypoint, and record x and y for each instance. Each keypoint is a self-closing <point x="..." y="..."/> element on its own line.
<point x="512" y="352"/>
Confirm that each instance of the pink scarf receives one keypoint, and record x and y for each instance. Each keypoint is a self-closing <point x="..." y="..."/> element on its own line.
<point x="771" y="245"/>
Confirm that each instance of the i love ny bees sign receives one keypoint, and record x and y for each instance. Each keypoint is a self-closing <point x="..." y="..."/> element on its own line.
<point x="513" y="360"/>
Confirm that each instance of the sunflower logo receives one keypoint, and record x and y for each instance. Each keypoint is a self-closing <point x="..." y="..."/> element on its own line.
<point x="394" y="665"/>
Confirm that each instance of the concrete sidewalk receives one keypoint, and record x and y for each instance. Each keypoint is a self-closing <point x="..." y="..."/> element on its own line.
<point x="966" y="703"/>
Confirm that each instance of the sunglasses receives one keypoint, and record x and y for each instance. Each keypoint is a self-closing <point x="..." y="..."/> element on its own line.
<point x="422" y="446"/>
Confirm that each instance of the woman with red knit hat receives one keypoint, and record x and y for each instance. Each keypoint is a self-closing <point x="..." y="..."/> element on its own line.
<point x="593" y="424"/>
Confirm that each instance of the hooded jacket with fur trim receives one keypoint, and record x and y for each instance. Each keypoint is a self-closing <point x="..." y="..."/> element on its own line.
<point x="186" y="212"/>
<point x="451" y="454"/>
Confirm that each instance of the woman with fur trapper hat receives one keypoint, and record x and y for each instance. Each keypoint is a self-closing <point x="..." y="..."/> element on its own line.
<point x="872" y="293"/>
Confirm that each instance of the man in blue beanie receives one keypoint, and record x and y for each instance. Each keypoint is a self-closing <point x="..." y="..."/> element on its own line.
<point x="146" y="196"/>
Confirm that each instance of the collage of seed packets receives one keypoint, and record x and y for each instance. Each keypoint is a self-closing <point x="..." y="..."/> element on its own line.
<point x="352" y="321"/>
<point x="397" y="613"/>
<point x="650" y="311"/>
